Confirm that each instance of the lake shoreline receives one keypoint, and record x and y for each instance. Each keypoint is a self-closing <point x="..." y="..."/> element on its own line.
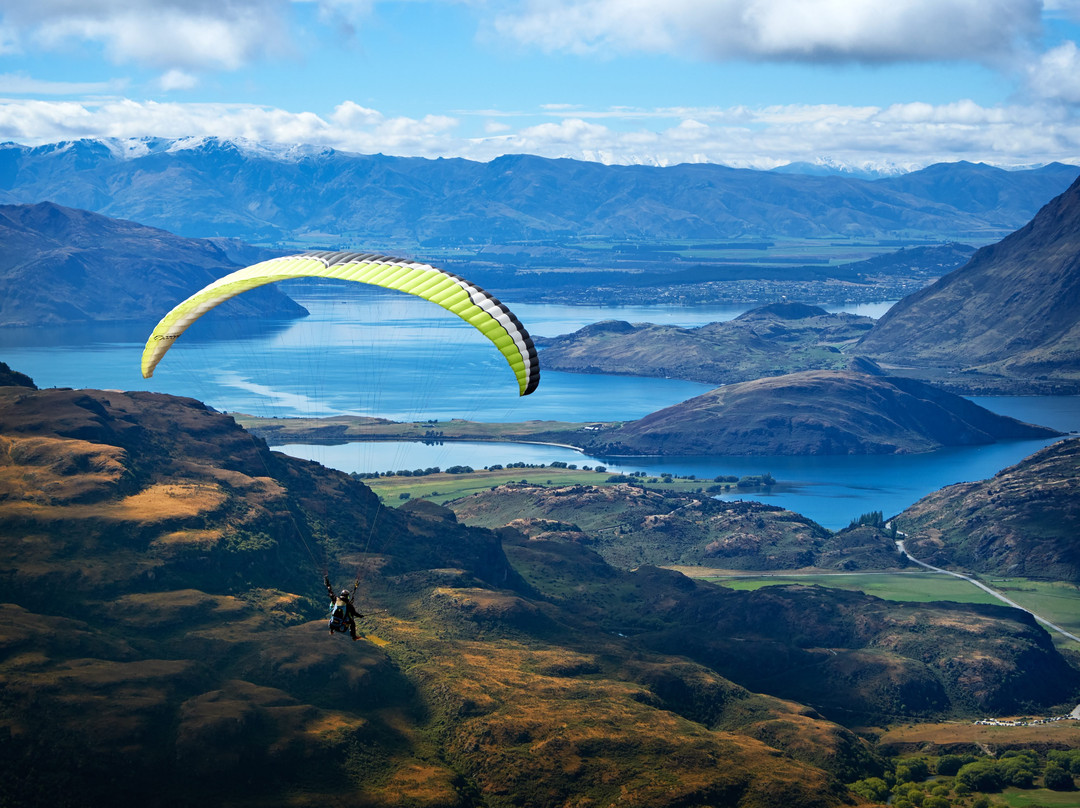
<point x="338" y="430"/>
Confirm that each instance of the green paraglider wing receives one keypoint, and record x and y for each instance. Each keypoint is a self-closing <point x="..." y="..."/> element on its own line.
<point x="455" y="294"/>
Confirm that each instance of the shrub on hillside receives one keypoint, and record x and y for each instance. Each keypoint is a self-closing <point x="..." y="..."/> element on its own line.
<point x="980" y="775"/>
<point x="1056" y="778"/>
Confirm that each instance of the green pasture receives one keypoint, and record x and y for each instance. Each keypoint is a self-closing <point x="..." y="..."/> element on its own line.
<point x="1034" y="797"/>
<point x="920" y="587"/>
<point x="1056" y="601"/>
<point x="442" y="488"/>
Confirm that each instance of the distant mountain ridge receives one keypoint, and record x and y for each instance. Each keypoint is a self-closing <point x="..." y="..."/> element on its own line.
<point x="60" y="266"/>
<point x="216" y="187"/>
<point x="1011" y="313"/>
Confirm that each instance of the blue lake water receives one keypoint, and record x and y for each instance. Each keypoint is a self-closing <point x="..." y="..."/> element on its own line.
<point x="393" y="356"/>
<point x="830" y="490"/>
<point x="362" y="351"/>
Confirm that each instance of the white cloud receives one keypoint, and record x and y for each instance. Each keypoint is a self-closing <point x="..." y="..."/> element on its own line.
<point x="957" y="113"/>
<point x="1069" y="8"/>
<point x="177" y="80"/>
<point x="354" y="116"/>
<point x="909" y="135"/>
<point x="19" y="84"/>
<point x="1056" y="75"/>
<point x="166" y="34"/>
<point x="870" y="31"/>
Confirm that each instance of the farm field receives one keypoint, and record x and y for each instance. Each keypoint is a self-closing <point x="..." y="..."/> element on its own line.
<point x="1056" y="601"/>
<point x="921" y="587"/>
<point x="959" y="736"/>
<point x="1036" y="798"/>
<point x="443" y="487"/>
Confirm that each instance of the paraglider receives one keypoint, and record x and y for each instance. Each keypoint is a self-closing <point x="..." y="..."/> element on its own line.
<point x="455" y="294"/>
<point x="343" y="614"/>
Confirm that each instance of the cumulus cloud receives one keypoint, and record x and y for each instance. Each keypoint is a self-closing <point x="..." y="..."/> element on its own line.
<point x="905" y="135"/>
<point x="195" y="36"/>
<point x="869" y="31"/>
<point x="1056" y="75"/>
<point x="351" y="127"/>
<point x="167" y="34"/>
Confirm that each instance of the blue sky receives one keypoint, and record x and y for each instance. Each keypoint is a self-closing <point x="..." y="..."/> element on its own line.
<point x="757" y="83"/>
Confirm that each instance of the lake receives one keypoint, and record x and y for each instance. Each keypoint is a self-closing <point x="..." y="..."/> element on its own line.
<point x="362" y="351"/>
<point x="394" y="356"/>
<point x="830" y="490"/>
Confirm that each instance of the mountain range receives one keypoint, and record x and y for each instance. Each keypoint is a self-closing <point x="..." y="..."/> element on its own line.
<point x="211" y="187"/>
<point x="161" y="633"/>
<point x="1007" y="322"/>
<point x="1011" y="313"/>
<point x="162" y="628"/>
<point x="61" y="266"/>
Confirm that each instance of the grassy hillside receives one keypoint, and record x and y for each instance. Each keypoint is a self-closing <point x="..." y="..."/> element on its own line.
<point x="814" y="413"/>
<point x="162" y="634"/>
<point x="1022" y="521"/>
<point x="633" y="524"/>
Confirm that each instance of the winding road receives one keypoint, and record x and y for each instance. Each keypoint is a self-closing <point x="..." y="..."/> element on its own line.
<point x="988" y="590"/>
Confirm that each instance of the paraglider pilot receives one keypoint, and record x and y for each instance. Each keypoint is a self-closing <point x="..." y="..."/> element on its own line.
<point x="342" y="612"/>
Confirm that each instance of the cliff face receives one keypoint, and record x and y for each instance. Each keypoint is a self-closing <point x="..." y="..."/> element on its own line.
<point x="815" y="413"/>
<point x="1012" y="312"/>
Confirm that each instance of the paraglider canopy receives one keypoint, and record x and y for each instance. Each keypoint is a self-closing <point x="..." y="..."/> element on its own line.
<point x="452" y="292"/>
